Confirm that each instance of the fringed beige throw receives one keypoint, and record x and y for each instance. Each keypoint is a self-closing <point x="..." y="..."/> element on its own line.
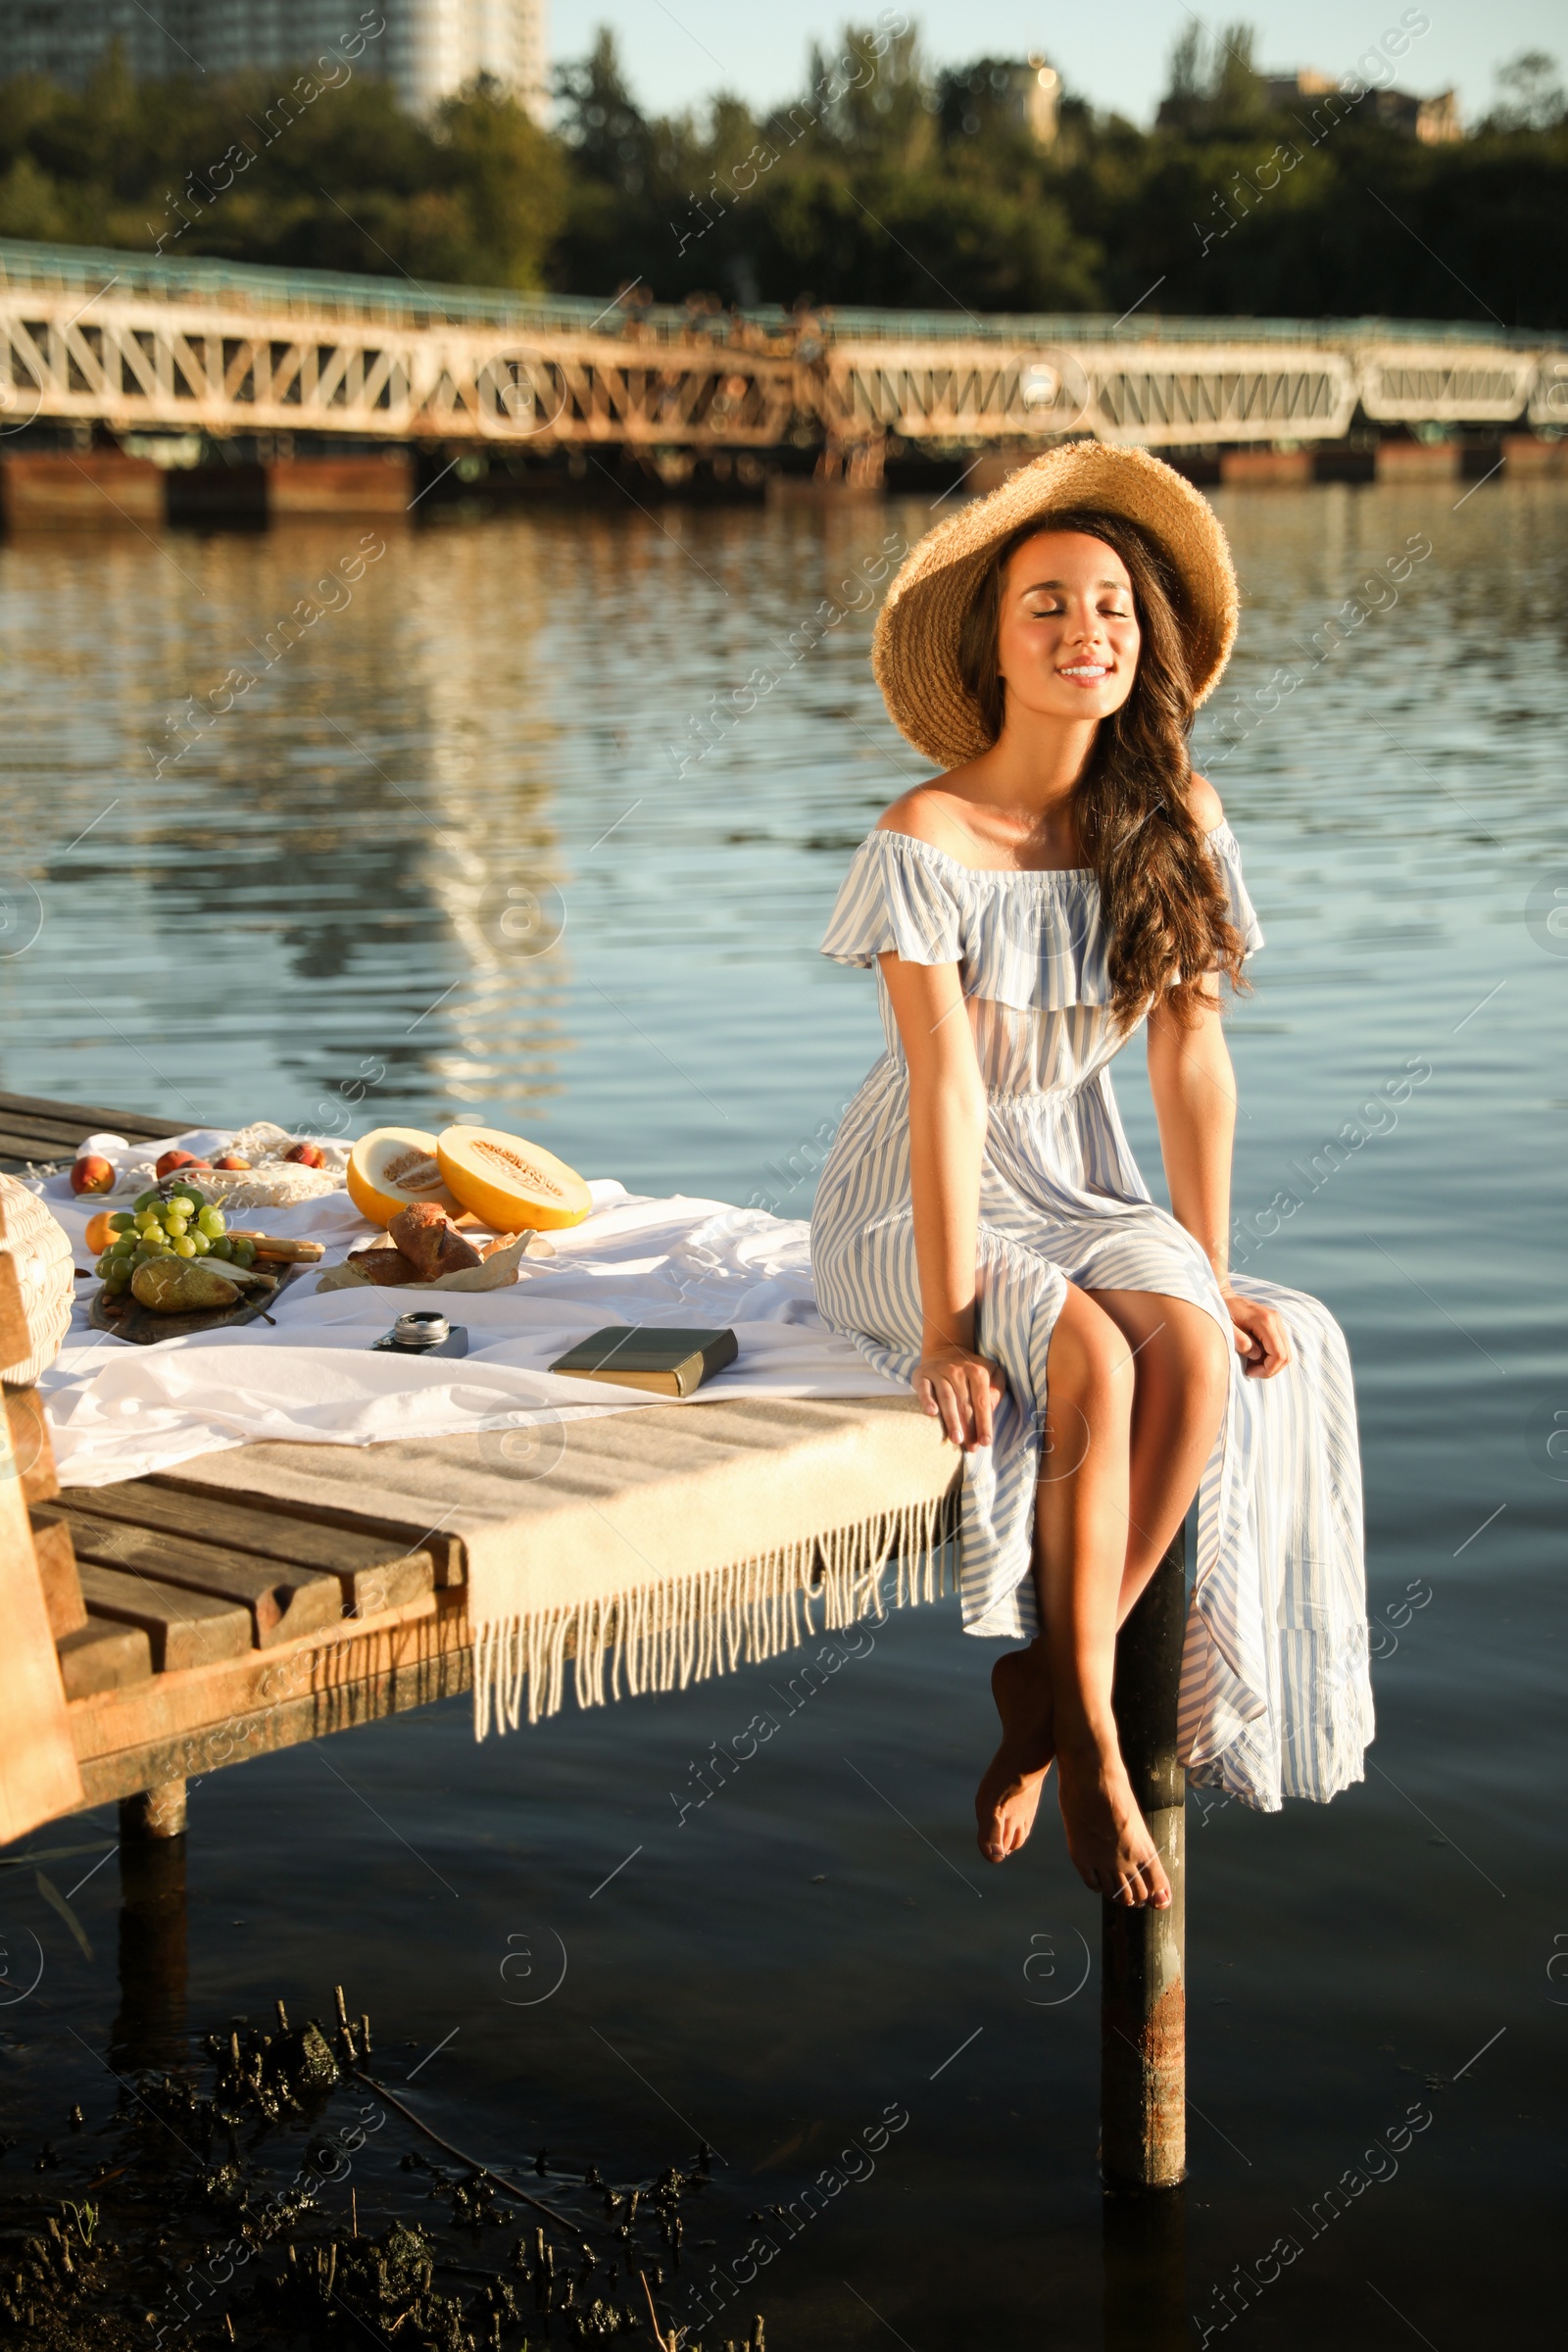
<point x="680" y="1629"/>
<point x="673" y="1544"/>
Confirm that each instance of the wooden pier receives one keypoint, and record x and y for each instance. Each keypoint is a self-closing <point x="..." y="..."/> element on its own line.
<point x="167" y="1627"/>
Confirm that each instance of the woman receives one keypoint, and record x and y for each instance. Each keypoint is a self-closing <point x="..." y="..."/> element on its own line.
<point x="981" y="1229"/>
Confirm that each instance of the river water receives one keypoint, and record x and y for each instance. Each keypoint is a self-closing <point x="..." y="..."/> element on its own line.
<point x="453" y="852"/>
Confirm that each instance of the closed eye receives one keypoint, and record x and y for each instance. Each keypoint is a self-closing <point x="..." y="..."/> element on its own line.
<point x="1054" y="611"/>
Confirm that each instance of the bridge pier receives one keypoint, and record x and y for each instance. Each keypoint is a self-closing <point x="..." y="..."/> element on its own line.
<point x="1530" y="454"/>
<point x="379" y="484"/>
<point x="89" y="489"/>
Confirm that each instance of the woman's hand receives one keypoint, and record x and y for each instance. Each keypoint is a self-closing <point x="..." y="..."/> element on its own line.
<point x="960" y="1388"/>
<point x="1261" y="1337"/>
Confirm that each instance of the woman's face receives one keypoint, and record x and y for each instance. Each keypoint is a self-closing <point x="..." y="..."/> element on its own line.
<point x="1068" y="637"/>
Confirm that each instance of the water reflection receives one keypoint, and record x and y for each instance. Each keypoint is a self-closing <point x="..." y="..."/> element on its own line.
<point x="149" y="2029"/>
<point x="1145" y="2242"/>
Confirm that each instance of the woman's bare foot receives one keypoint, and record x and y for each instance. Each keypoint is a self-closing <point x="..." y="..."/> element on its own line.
<point x="1008" y="1795"/>
<point x="1107" y="1836"/>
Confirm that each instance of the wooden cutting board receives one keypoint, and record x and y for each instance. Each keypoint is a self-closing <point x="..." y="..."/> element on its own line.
<point x="140" y="1324"/>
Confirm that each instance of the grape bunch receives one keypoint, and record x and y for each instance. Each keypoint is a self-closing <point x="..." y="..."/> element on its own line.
<point x="176" y="1222"/>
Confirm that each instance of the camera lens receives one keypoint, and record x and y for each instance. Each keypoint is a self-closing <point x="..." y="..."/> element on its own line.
<point x="422" y="1329"/>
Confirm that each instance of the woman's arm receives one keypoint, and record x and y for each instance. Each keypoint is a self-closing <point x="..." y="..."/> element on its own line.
<point x="1194" y="1086"/>
<point x="947" y="1137"/>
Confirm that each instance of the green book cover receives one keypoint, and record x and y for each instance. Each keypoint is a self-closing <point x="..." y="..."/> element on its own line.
<point x="669" y="1361"/>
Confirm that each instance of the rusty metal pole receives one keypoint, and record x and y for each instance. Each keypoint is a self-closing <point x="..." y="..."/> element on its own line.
<point x="1143" y="2005"/>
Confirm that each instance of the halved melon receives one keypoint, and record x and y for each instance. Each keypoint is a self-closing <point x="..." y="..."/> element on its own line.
<point x="393" y="1168"/>
<point x="508" y="1183"/>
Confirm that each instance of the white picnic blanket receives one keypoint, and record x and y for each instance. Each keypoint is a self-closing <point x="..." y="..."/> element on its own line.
<point x="117" y="1410"/>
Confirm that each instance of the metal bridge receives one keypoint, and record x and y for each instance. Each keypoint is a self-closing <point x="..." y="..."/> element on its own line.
<point x="139" y="344"/>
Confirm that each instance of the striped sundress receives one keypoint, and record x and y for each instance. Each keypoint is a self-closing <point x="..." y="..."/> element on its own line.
<point x="1276" y="1694"/>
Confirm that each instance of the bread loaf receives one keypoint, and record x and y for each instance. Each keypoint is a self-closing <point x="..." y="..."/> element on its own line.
<point x="427" y="1240"/>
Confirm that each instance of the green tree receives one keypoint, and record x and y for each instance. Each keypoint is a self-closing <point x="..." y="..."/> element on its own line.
<point x="882" y="181"/>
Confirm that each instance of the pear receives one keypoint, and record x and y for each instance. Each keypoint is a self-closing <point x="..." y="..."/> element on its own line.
<point x="181" y="1286"/>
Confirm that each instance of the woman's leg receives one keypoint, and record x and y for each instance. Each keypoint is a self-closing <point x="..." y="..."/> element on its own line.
<point x="1082" y="1517"/>
<point x="1008" y="1795"/>
<point x="1181" y="1373"/>
<point x="1181" y="1365"/>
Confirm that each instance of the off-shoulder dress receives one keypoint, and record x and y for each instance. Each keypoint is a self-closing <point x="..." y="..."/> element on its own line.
<point x="1276" y="1695"/>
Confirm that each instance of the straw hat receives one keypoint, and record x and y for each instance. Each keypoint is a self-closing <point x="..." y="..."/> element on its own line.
<point x="915" y="652"/>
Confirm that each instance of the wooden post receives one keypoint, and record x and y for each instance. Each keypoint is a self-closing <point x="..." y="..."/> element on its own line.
<point x="1143" y="2006"/>
<point x="157" y="1812"/>
<point x="150" y="2027"/>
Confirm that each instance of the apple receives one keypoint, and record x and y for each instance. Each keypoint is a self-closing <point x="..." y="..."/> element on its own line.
<point x="173" y="1161"/>
<point x="231" y="1161"/>
<point x="92" y="1175"/>
<point x="307" y="1155"/>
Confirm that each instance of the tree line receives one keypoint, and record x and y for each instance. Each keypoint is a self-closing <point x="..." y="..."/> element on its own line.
<point x="884" y="181"/>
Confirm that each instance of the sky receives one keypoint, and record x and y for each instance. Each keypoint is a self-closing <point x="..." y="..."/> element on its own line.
<point x="678" y="54"/>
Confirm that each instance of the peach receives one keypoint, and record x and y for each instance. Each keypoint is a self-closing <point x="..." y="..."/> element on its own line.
<point x="173" y="1161"/>
<point x="231" y="1161"/>
<point x="92" y="1175"/>
<point x="307" y="1155"/>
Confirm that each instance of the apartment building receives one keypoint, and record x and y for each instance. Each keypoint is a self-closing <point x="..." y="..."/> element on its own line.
<point x="425" y="48"/>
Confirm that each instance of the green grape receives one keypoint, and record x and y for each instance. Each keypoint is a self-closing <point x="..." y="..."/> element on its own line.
<point x="177" y="1228"/>
<point x="211" y="1221"/>
<point x="146" y="1201"/>
<point x="123" y="1221"/>
<point x="200" y="1243"/>
<point x="222" y="1246"/>
<point x="119" y="1275"/>
<point x="244" y="1252"/>
<point x="184" y="1247"/>
<point x="103" y="1266"/>
<point x="148" y="1221"/>
<point x="188" y="1191"/>
<point x="122" y="1246"/>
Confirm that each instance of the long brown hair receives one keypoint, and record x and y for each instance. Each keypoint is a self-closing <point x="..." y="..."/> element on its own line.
<point x="1166" y="911"/>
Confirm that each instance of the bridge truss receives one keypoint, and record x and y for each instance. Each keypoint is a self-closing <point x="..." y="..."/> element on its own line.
<point x="135" y="361"/>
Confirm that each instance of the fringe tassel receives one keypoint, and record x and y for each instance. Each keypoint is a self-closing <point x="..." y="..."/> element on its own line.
<point x="667" y="1636"/>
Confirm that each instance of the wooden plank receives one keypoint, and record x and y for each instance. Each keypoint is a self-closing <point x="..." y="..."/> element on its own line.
<point x="31" y="1444"/>
<point x="201" y="1718"/>
<point x="57" y="1573"/>
<point x="184" y="1628"/>
<point x="38" y="1775"/>
<point x="31" y="1148"/>
<point x="103" y="1656"/>
<point x="243" y="1473"/>
<point x="416" y="1682"/>
<point x="64" y="1134"/>
<point x="376" y="1572"/>
<point x="283" y="1602"/>
<point x="133" y="1125"/>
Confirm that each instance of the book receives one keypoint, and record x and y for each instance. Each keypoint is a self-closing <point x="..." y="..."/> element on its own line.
<point x="670" y="1361"/>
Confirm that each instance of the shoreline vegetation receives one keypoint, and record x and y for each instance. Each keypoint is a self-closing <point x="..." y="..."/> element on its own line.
<point x="888" y="180"/>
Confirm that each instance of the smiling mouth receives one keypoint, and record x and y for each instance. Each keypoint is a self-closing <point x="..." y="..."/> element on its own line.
<point x="1086" y="673"/>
